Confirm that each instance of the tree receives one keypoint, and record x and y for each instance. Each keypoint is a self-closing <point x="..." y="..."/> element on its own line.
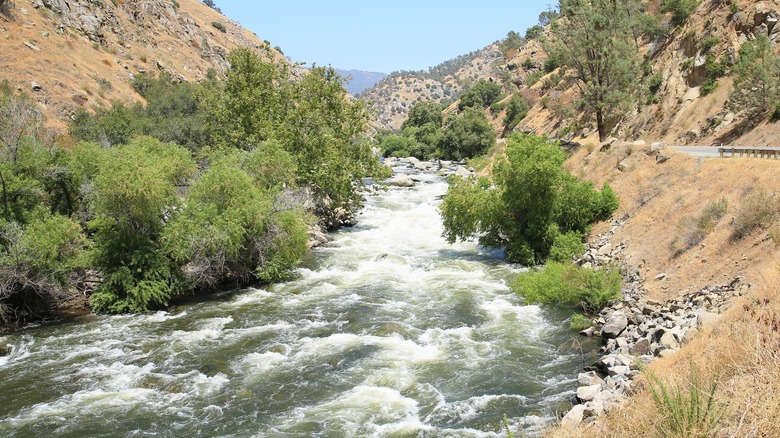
<point x="594" y="41"/>
<point x="467" y="135"/>
<point x="757" y="77"/>
<point x="252" y="104"/>
<point x="680" y="9"/>
<point x="423" y="113"/>
<point x="135" y="191"/>
<point x="481" y="95"/>
<point x="516" y="110"/>
<point x="531" y="206"/>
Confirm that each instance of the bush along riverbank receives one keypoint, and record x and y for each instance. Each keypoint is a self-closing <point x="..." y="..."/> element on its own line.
<point x="636" y="330"/>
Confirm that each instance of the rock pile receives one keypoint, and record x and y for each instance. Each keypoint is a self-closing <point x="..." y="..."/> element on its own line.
<point x="637" y="330"/>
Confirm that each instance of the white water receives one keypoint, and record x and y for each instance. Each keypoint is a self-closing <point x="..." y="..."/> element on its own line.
<point x="387" y="331"/>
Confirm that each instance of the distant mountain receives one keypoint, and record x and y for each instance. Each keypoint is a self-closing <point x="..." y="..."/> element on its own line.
<point x="360" y="80"/>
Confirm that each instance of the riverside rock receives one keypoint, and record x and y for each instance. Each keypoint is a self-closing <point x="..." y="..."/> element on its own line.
<point x="573" y="417"/>
<point x="614" y="326"/>
<point x="588" y="393"/>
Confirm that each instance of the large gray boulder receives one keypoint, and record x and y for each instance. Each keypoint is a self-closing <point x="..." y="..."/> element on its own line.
<point x="400" y="181"/>
<point x="574" y="417"/>
<point x="614" y="326"/>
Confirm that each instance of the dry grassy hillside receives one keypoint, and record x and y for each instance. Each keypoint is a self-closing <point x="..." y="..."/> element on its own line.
<point x="392" y="98"/>
<point x="741" y="352"/>
<point x="678" y="113"/>
<point x="77" y="53"/>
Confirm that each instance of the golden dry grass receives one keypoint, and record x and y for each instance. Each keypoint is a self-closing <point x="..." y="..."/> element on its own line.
<point x="70" y="67"/>
<point x="742" y="350"/>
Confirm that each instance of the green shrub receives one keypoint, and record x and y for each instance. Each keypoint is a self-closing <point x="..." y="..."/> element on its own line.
<point x="687" y="410"/>
<point x="566" y="246"/>
<point x="530" y="201"/>
<point x="175" y="4"/>
<point x="580" y="322"/>
<point x="696" y="228"/>
<point x="758" y="210"/>
<point x="565" y="283"/>
<point x="680" y="9"/>
<point x="708" y="43"/>
<point x="533" y="78"/>
<point x="219" y="26"/>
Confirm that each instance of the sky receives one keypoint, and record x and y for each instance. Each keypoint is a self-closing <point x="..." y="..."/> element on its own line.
<point x="382" y="36"/>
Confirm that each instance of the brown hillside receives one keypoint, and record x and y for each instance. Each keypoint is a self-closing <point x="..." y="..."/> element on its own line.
<point x="85" y="53"/>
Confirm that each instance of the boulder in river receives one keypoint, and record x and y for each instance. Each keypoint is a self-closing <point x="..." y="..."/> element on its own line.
<point x="400" y="181"/>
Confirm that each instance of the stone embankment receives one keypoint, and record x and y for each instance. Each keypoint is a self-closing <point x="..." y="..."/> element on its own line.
<point x="636" y="330"/>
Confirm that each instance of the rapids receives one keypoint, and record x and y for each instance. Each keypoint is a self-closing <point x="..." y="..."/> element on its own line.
<point x="386" y="331"/>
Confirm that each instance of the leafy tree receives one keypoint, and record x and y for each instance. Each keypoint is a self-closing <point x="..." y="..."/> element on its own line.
<point x="135" y="190"/>
<point x="756" y="77"/>
<point x="595" y="42"/>
<point x="39" y="248"/>
<point x="548" y="17"/>
<point x="531" y="205"/>
<point x="423" y="113"/>
<point x="680" y="9"/>
<point x="534" y="32"/>
<point x="513" y="41"/>
<point x="516" y="110"/>
<point x="252" y="104"/>
<point x="481" y="95"/>
<point x="467" y="135"/>
<point x="229" y="229"/>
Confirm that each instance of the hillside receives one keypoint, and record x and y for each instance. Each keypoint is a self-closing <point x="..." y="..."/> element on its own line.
<point x="673" y="109"/>
<point x="80" y="53"/>
<point x="358" y="81"/>
<point x="393" y="97"/>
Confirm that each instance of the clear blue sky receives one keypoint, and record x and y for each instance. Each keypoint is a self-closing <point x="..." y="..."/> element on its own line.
<point x="382" y="36"/>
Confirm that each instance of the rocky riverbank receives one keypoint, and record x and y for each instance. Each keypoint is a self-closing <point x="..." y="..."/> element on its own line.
<point x="636" y="330"/>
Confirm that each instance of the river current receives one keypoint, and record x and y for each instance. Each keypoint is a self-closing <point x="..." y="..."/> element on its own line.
<point x="386" y="331"/>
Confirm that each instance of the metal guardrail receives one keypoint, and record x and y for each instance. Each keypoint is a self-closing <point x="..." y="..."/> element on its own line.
<point x="755" y="152"/>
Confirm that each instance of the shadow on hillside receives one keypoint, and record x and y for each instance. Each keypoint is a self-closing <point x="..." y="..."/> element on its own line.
<point x="738" y="130"/>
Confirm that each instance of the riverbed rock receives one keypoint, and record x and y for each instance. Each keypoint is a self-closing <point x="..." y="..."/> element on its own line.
<point x="574" y="417"/>
<point x="588" y="393"/>
<point x="614" y="326"/>
<point x="707" y="319"/>
<point x="589" y="378"/>
<point x="5" y="349"/>
<point x="400" y="181"/>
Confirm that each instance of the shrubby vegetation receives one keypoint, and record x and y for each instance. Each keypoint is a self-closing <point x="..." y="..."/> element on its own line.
<point x="206" y="184"/>
<point x="530" y="207"/>
<point x="566" y="283"/>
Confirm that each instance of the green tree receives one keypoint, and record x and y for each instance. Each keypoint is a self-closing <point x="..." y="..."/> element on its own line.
<point x="680" y="9"/>
<point x="480" y="95"/>
<point x="467" y="135"/>
<point x="135" y="191"/>
<point x="594" y="41"/>
<point x="423" y="113"/>
<point x="252" y="104"/>
<point x="756" y="77"/>
<point x="530" y="204"/>
<point x="516" y="110"/>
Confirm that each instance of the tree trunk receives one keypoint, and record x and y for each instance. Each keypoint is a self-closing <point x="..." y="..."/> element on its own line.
<point x="600" y="125"/>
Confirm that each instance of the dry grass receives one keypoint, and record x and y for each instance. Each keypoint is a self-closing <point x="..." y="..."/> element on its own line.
<point x="65" y="60"/>
<point x="742" y="351"/>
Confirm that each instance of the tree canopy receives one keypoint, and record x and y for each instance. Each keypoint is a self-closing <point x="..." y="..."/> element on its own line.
<point x="532" y="207"/>
<point x="594" y="41"/>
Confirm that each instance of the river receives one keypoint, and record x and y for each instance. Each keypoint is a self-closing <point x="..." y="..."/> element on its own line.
<point x="386" y="331"/>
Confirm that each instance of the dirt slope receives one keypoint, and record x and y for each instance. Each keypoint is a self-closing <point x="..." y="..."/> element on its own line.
<point x="83" y="53"/>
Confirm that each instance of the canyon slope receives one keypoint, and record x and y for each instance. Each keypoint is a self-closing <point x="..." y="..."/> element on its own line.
<point x="70" y="54"/>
